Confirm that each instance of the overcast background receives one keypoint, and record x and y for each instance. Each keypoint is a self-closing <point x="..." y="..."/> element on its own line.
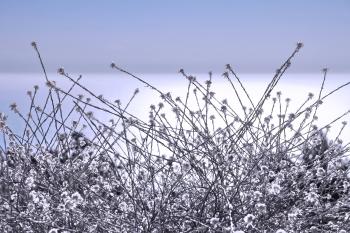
<point x="157" y="36"/>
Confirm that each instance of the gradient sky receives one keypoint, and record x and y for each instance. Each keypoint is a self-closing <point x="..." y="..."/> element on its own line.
<point x="163" y="36"/>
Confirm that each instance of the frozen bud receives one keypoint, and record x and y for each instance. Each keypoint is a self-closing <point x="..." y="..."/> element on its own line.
<point x="113" y="65"/>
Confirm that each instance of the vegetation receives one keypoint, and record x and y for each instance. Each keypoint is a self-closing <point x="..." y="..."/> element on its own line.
<point x="203" y="167"/>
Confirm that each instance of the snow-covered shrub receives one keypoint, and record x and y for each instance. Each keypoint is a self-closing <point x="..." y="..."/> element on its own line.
<point x="202" y="168"/>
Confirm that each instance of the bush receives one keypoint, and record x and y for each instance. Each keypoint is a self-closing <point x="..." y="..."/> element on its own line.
<point x="203" y="168"/>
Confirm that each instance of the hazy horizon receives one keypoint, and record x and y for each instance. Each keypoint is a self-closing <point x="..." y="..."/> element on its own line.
<point x="120" y="86"/>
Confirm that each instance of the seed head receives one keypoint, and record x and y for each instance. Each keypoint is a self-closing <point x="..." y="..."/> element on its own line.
<point x="51" y="84"/>
<point x="225" y="74"/>
<point x="299" y="45"/>
<point x="181" y="71"/>
<point x="60" y="71"/>
<point x="34" y="44"/>
<point x="310" y="95"/>
<point x="208" y="82"/>
<point x="13" y="107"/>
<point x="191" y="78"/>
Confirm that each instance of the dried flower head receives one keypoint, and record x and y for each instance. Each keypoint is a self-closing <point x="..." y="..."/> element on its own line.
<point x="33" y="44"/>
<point x="51" y="84"/>
<point x="181" y="71"/>
<point x="310" y="95"/>
<point x="60" y="71"/>
<point x="13" y="106"/>
<point x="299" y="45"/>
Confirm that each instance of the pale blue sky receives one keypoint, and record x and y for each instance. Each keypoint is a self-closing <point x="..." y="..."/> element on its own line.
<point x="163" y="36"/>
